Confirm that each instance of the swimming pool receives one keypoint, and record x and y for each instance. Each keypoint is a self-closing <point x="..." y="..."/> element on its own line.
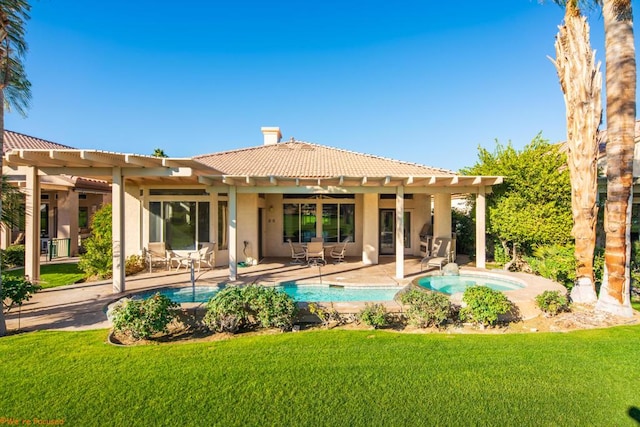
<point x="453" y="284"/>
<point x="334" y="293"/>
<point x="183" y="295"/>
<point x="299" y="293"/>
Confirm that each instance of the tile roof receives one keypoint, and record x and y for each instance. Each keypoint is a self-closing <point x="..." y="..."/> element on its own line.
<point x="15" y="140"/>
<point x="300" y="159"/>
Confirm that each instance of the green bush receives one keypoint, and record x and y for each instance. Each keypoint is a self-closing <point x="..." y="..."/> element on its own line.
<point x="16" y="290"/>
<point x="144" y="318"/>
<point x="373" y="315"/>
<point x="426" y="308"/>
<point x="97" y="261"/>
<point x="13" y="256"/>
<point x="484" y="305"/>
<point x="555" y="262"/>
<point x="325" y="314"/>
<point x="236" y="308"/>
<point x="552" y="302"/>
<point x="499" y="254"/>
<point x="134" y="264"/>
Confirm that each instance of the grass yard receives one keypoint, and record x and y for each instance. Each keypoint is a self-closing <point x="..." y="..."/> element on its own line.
<point x="342" y="378"/>
<point x="53" y="275"/>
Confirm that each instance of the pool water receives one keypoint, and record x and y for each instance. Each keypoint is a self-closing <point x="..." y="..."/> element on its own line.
<point x="182" y="295"/>
<point x="307" y="293"/>
<point x="453" y="284"/>
<point x="328" y="293"/>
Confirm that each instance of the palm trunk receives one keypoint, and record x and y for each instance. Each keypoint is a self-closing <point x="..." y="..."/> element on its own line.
<point x="621" y="115"/>
<point x="3" y="324"/>
<point x="581" y="83"/>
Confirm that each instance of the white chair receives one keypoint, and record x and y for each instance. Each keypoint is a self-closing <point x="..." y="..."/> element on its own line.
<point x="315" y="253"/>
<point x="298" y="254"/>
<point x="203" y="256"/>
<point x="156" y="253"/>
<point x="440" y="254"/>
<point x="337" y="252"/>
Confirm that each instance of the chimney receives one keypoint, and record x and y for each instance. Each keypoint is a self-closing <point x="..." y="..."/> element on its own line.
<point x="272" y="135"/>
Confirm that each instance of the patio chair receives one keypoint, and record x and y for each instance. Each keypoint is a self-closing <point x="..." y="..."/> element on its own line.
<point x="19" y="240"/>
<point x="440" y="254"/>
<point x="156" y="253"/>
<point x="203" y="256"/>
<point x="337" y="252"/>
<point x="315" y="253"/>
<point x="298" y="254"/>
<point x="317" y="239"/>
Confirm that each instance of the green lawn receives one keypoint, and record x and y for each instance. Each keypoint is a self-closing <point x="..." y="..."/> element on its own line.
<point x="342" y="378"/>
<point x="53" y="275"/>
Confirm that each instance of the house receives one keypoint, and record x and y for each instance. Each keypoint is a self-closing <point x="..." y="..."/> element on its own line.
<point x="251" y="201"/>
<point x="67" y="202"/>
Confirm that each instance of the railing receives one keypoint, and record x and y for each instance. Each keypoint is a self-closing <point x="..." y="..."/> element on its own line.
<point x="58" y="248"/>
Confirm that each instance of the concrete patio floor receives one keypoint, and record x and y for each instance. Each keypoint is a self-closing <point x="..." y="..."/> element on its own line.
<point x="82" y="306"/>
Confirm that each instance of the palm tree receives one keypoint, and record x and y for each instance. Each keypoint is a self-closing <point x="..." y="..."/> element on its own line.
<point x="159" y="152"/>
<point x="15" y="89"/>
<point x="581" y="82"/>
<point x="621" y="116"/>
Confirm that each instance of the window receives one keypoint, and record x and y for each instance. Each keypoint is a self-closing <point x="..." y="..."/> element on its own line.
<point x="44" y="219"/>
<point x="337" y="221"/>
<point x="299" y="221"/>
<point x="181" y="225"/>
<point x="83" y="217"/>
<point x="223" y="224"/>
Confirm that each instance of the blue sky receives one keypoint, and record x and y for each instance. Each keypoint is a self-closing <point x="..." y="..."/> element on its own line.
<point x="426" y="82"/>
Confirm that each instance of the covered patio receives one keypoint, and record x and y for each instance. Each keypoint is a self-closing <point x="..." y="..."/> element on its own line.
<point x="250" y="202"/>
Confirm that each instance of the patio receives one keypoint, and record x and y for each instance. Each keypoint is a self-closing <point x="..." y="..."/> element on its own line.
<point x="82" y="306"/>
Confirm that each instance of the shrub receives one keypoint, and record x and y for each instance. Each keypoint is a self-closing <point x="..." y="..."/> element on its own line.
<point x="97" y="261"/>
<point x="426" y="308"/>
<point x="373" y="315"/>
<point x="16" y="290"/>
<point x="552" y="302"/>
<point x="134" y="264"/>
<point x="13" y="256"/>
<point x="483" y="305"/>
<point x="237" y="308"/>
<point x="325" y="314"/>
<point x="144" y="318"/>
<point x="499" y="254"/>
<point x="555" y="262"/>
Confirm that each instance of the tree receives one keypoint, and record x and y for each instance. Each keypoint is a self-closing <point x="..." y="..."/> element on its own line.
<point x="15" y="89"/>
<point x="581" y="82"/>
<point x="615" y="293"/>
<point x="97" y="261"/>
<point x="159" y="152"/>
<point x="533" y="205"/>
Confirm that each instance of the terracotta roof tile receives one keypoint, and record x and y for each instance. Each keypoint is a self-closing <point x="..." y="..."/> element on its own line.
<point x="300" y="159"/>
<point x="15" y="140"/>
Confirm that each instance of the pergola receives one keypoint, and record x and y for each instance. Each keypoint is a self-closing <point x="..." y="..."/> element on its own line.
<point x="118" y="167"/>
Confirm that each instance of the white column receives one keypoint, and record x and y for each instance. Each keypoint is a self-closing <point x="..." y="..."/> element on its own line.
<point x="442" y="215"/>
<point x="213" y="222"/>
<point x="117" y="221"/>
<point x="370" y="236"/>
<point x="481" y="244"/>
<point x="145" y="219"/>
<point x="233" y="234"/>
<point x="32" y="225"/>
<point x="400" y="233"/>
